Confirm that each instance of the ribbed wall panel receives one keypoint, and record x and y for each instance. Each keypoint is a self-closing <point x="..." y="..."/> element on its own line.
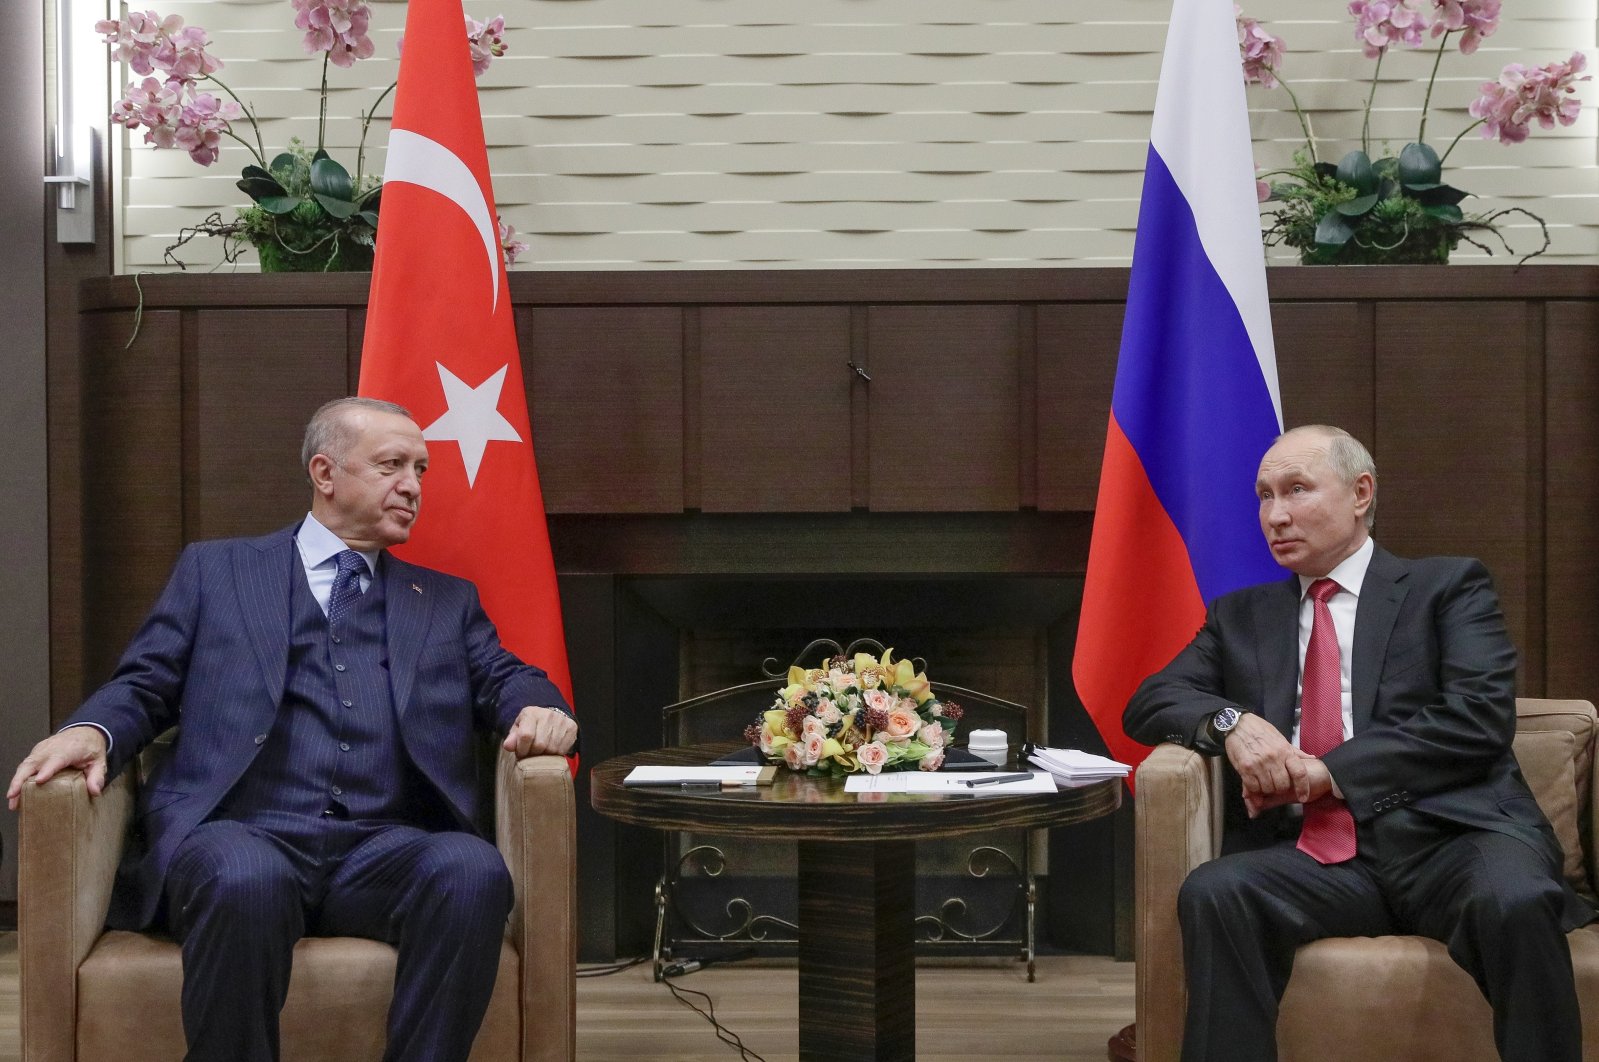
<point x="825" y="133"/>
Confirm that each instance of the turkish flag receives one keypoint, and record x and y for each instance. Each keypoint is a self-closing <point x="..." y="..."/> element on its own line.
<point x="441" y="341"/>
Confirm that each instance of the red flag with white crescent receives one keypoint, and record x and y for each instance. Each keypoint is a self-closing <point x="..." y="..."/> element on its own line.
<point x="441" y="341"/>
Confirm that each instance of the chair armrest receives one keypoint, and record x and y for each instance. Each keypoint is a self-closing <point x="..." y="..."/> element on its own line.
<point x="1175" y="812"/>
<point x="535" y="825"/>
<point x="68" y="848"/>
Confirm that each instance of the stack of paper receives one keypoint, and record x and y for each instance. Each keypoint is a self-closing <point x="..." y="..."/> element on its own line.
<point x="1072" y="767"/>
<point x="960" y="783"/>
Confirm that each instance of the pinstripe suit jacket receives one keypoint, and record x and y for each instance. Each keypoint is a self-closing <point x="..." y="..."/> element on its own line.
<point x="213" y="656"/>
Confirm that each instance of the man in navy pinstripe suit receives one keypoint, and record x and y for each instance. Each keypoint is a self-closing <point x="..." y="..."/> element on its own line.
<point x="323" y="780"/>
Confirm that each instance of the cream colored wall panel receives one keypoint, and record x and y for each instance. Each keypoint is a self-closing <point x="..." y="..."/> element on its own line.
<point x="815" y="187"/>
<point x="837" y="217"/>
<point x="1040" y="126"/>
<point x="858" y="68"/>
<point x="969" y="159"/>
<point x="795" y="133"/>
<point x="1080" y="38"/>
<point x="895" y="248"/>
<point x="996" y="97"/>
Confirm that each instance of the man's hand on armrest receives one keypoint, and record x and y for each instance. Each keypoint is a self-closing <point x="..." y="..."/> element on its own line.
<point x="82" y="747"/>
<point x="541" y="731"/>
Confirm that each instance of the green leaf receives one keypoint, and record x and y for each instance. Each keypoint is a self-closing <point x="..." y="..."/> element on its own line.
<point x="321" y="153"/>
<point x="1442" y="195"/>
<point x="258" y="184"/>
<point x="1419" y="168"/>
<point x="331" y="187"/>
<point x="279" y="204"/>
<point x="1325" y="169"/>
<point x="370" y="217"/>
<point x="1333" y="230"/>
<point x="1445" y="211"/>
<point x="284" y="163"/>
<point x="1355" y="170"/>
<point x="1357" y="207"/>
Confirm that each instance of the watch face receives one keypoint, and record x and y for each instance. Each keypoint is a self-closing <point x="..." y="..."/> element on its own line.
<point x="1226" y="719"/>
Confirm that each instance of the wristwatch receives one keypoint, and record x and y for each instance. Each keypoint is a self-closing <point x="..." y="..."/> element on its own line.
<point x="1223" y="722"/>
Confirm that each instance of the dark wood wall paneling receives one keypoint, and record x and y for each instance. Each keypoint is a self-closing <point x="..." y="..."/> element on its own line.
<point x="670" y="394"/>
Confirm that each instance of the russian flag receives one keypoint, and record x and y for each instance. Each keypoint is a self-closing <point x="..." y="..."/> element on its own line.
<point x="1196" y="402"/>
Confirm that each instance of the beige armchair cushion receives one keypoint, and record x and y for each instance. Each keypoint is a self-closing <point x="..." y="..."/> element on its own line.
<point x="91" y="995"/>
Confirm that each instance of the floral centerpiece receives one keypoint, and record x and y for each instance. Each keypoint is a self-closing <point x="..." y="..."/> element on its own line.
<point x="308" y="211"/>
<point x="1396" y="207"/>
<point x="860" y="713"/>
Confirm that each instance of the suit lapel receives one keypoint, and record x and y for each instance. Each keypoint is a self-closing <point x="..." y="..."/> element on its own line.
<point x="1278" y="639"/>
<point x="1380" y="597"/>
<point x="262" y="570"/>
<point x="406" y="613"/>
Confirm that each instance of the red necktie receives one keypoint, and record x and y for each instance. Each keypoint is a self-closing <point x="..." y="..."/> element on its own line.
<point x="1328" y="832"/>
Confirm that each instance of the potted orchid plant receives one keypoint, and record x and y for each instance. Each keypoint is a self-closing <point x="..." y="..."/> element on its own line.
<point x="1396" y="208"/>
<point x="308" y="212"/>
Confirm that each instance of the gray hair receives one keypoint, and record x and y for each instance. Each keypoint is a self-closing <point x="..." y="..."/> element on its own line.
<point x="1349" y="459"/>
<point x="330" y="432"/>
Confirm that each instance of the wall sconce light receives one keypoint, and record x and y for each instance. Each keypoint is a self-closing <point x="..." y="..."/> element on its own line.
<point x="79" y="86"/>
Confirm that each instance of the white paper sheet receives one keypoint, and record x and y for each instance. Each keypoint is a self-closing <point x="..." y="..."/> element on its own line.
<point x="692" y="775"/>
<point x="948" y="782"/>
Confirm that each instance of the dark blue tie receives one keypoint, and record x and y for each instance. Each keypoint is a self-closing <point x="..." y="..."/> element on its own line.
<point x="346" y="584"/>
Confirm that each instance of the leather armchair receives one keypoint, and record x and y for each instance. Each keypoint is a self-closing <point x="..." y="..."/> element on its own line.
<point x="88" y="993"/>
<point x="1354" y="999"/>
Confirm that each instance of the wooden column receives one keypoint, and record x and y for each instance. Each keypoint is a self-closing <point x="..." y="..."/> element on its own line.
<point x="857" y="984"/>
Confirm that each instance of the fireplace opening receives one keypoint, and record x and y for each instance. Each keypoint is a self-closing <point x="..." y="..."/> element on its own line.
<point x="1006" y="635"/>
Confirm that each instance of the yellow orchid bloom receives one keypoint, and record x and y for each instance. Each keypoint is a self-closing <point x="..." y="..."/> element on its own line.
<point x="793" y="692"/>
<point x="831" y="748"/>
<point x="776" y="722"/>
<point x="796" y="675"/>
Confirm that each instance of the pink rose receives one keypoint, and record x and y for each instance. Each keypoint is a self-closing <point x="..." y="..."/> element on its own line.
<point x="932" y="736"/>
<point x="813" y="749"/>
<point x="882" y="700"/>
<point x="901" y="725"/>
<point x="932" y="761"/>
<point x="794" y="757"/>
<point x="812" y="727"/>
<point x="873" y="755"/>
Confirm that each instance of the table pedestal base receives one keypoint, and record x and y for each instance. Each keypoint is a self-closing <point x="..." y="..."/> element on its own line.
<point x="857" y="956"/>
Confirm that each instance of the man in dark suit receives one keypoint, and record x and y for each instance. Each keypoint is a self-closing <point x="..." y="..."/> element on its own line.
<point x="1365" y="707"/>
<point x="323" y="779"/>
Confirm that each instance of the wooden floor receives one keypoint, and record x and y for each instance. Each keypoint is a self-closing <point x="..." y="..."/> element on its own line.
<point x="963" y="1011"/>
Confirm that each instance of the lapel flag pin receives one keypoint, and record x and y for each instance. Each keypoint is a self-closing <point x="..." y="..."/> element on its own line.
<point x="415" y="587"/>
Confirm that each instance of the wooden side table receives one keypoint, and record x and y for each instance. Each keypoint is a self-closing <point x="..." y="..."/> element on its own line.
<point x="857" y="862"/>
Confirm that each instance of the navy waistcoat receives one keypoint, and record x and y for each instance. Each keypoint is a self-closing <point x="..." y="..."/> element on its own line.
<point x="334" y="750"/>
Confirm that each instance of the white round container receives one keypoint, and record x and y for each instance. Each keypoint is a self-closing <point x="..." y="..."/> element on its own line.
<point x="991" y="745"/>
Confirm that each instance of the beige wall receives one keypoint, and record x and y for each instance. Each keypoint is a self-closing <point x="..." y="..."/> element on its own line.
<point x="839" y="133"/>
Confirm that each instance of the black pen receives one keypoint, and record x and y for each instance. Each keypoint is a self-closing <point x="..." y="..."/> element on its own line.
<point x="995" y="780"/>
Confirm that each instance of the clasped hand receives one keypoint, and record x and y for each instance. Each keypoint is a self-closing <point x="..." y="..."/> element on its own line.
<point x="1274" y="772"/>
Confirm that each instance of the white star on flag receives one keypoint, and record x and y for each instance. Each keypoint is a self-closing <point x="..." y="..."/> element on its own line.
<point x="473" y="419"/>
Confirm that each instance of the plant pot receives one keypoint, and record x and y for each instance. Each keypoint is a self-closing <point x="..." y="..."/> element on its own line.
<point x="337" y="254"/>
<point x="1424" y="247"/>
<point x="307" y="240"/>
